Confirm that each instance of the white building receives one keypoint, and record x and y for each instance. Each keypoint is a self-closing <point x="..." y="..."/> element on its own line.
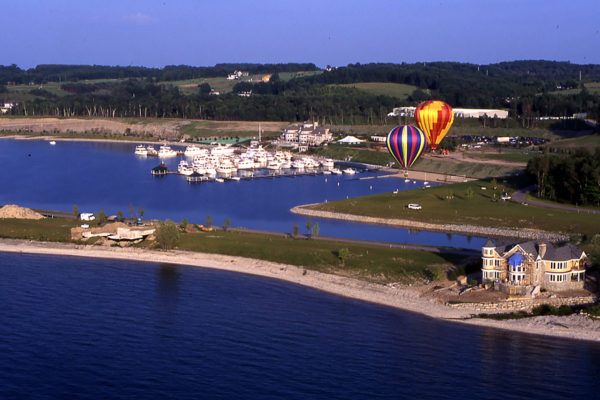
<point x="458" y="112"/>
<point x="308" y="134"/>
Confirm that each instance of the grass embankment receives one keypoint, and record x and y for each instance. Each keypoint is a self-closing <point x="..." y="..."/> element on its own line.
<point x="369" y="155"/>
<point x="374" y="263"/>
<point x="587" y="142"/>
<point x="450" y="204"/>
<point x="208" y="129"/>
<point x="467" y="169"/>
<point x="513" y="156"/>
<point x="47" y="229"/>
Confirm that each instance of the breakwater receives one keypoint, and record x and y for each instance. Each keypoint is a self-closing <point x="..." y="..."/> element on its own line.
<point x="471" y="230"/>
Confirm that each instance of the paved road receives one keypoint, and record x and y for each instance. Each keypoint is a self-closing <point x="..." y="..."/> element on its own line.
<point x="519" y="196"/>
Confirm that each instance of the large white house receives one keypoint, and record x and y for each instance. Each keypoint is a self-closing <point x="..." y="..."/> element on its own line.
<point x="307" y="133"/>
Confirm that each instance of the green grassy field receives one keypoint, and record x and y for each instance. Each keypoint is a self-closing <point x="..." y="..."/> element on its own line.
<point x="205" y="129"/>
<point x="398" y="90"/>
<point x="286" y="76"/>
<point x="372" y="263"/>
<point x="468" y="169"/>
<point x="587" y="141"/>
<point x="47" y="229"/>
<point x="592" y="87"/>
<point x="450" y="204"/>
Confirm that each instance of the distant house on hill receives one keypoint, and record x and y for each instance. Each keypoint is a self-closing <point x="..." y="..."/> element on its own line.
<point x="518" y="266"/>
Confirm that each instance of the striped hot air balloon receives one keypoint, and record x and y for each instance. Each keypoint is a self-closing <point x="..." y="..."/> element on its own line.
<point x="434" y="117"/>
<point x="406" y="143"/>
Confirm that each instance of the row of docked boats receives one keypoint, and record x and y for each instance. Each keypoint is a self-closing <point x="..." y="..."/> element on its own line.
<point x="164" y="151"/>
<point x="220" y="162"/>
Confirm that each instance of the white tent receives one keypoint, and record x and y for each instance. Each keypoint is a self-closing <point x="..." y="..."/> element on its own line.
<point x="350" y="140"/>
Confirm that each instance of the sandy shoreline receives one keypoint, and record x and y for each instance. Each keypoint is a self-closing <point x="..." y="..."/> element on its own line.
<point x="401" y="297"/>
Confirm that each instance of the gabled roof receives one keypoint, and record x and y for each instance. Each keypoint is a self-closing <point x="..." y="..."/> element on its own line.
<point x="552" y="253"/>
<point x="489" y="243"/>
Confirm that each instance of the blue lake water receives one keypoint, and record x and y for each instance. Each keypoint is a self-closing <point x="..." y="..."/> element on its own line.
<point x="108" y="176"/>
<point x="73" y="328"/>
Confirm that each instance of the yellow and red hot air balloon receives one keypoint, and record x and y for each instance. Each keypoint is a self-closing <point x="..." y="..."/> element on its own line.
<point x="434" y="117"/>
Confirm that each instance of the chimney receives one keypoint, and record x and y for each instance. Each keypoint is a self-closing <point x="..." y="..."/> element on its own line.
<point x="542" y="250"/>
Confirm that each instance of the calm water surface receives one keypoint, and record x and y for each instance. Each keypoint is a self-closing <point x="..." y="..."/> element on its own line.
<point x="108" y="176"/>
<point x="73" y="328"/>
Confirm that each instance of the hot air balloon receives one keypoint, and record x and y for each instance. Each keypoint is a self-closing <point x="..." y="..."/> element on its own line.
<point x="434" y="117"/>
<point x="406" y="143"/>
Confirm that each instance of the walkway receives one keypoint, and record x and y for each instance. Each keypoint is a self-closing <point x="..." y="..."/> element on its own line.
<point x="519" y="196"/>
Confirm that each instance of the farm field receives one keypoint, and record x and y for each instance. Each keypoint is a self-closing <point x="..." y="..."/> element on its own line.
<point x="398" y="90"/>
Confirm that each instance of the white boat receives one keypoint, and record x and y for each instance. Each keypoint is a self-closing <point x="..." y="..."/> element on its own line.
<point x="151" y="151"/>
<point x="245" y="163"/>
<point x="235" y="178"/>
<point x="193" y="150"/>
<point x="220" y="180"/>
<point x="274" y="165"/>
<point x="425" y="183"/>
<point x="407" y="180"/>
<point x="166" y="151"/>
<point x="52" y="142"/>
<point x="298" y="164"/>
<point x="286" y="165"/>
<point x="349" y="171"/>
<point x="336" y="171"/>
<point x="184" y="168"/>
<point x="210" y="171"/>
<point x="140" y="150"/>
<point x="327" y="163"/>
<point x="326" y="172"/>
<point x="222" y="150"/>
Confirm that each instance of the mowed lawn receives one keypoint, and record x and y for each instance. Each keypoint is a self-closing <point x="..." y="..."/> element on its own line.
<point x="373" y="263"/>
<point x="451" y="204"/>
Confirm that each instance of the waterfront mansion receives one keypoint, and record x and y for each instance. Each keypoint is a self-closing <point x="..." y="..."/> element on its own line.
<point x="533" y="264"/>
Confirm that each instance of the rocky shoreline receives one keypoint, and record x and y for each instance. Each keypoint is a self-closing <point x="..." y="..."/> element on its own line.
<point x="471" y="230"/>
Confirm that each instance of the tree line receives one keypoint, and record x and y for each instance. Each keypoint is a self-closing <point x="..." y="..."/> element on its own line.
<point x="524" y="87"/>
<point x="72" y="73"/>
<point x="574" y="179"/>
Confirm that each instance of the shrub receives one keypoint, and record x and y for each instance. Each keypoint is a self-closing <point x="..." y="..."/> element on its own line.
<point x="167" y="235"/>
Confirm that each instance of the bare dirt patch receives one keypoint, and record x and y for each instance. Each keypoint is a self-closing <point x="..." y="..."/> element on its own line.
<point x="14" y="211"/>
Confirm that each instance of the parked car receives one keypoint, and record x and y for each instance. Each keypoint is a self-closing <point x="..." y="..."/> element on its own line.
<point x="505" y="196"/>
<point x="414" y="206"/>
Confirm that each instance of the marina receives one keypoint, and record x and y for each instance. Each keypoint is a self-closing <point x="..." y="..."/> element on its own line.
<point x="114" y="179"/>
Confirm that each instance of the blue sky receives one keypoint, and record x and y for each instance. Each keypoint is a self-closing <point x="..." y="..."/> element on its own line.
<point x="337" y="32"/>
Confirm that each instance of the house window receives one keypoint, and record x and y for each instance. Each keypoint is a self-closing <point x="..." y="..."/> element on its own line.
<point x="578" y="276"/>
<point x="558" y="277"/>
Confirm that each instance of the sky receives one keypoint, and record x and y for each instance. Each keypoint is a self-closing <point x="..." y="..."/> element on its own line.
<point x="325" y="32"/>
